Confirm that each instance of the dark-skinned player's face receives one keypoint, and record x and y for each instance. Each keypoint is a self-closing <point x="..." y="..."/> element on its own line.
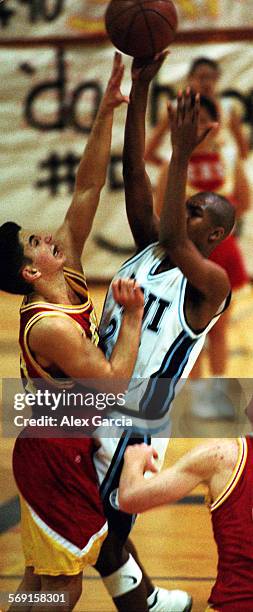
<point x="199" y="225"/>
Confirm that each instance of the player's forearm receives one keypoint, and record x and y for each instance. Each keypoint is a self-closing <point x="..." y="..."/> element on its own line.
<point x="94" y="162"/>
<point x="138" y="190"/>
<point x="133" y="494"/>
<point x="125" y="351"/>
<point x="173" y="222"/>
<point x="134" y="141"/>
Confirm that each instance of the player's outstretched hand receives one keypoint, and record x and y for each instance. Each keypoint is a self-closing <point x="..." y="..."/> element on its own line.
<point x="113" y="96"/>
<point x="186" y="133"/>
<point x="146" y="69"/>
<point x="142" y="456"/>
<point x="128" y="294"/>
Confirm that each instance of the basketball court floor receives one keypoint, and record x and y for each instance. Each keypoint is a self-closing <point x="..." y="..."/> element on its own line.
<point x="175" y="543"/>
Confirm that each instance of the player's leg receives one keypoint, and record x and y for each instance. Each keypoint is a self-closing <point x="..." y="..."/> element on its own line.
<point x="29" y="584"/>
<point x="69" y="587"/>
<point x="121" y="575"/>
<point x="211" y="397"/>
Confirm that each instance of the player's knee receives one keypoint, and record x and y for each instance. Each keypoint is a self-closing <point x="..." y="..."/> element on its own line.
<point x="31" y="581"/>
<point x="112" y="556"/>
<point x="123" y="580"/>
<point x="71" y="586"/>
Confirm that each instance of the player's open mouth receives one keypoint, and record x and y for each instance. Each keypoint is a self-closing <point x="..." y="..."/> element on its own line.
<point x="55" y="250"/>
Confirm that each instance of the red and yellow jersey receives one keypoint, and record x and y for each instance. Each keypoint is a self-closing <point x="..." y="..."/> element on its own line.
<point x="232" y="519"/>
<point x="83" y="315"/>
<point x="63" y="522"/>
<point x="210" y="171"/>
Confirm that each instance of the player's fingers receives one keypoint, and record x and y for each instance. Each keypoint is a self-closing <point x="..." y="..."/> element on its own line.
<point x="117" y="75"/>
<point x="116" y="289"/>
<point x="180" y="107"/>
<point x="196" y="107"/>
<point x="155" y="453"/>
<point x="117" y="59"/>
<point x="160" y="57"/>
<point x="171" y="115"/>
<point x="188" y="100"/>
<point x="127" y="288"/>
<point x="151" y="467"/>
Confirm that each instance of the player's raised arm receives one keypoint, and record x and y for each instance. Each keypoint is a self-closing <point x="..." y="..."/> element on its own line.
<point x="91" y="173"/>
<point x="78" y="358"/>
<point x="138" y="190"/>
<point x="137" y="494"/>
<point x="190" y="231"/>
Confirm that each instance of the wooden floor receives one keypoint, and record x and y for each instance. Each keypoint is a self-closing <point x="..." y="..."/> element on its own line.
<point x="174" y="543"/>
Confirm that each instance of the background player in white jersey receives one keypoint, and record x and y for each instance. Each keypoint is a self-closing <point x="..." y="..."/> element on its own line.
<point x="184" y="295"/>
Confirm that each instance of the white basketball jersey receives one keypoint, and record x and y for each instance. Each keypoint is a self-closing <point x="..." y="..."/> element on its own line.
<point x="168" y="347"/>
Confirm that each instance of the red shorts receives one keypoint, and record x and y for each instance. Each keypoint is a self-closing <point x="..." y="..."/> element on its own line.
<point x="57" y="480"/>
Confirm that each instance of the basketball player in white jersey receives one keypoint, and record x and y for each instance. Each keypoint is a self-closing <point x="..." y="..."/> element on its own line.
<point x="184" y="296"/>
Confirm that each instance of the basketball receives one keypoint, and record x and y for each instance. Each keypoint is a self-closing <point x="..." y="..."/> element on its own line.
<point x="141" y="28"/>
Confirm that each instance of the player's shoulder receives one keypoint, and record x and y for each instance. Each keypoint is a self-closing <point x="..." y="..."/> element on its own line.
<point x="148" y="253"/>
<point x="53" y="323"/>
<point x="212" y="454"/>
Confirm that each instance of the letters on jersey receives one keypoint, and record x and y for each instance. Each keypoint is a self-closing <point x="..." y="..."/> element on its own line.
<point x="168" y="348"/>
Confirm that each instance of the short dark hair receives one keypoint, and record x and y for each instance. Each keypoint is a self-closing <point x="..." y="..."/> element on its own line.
<point x="204" y="60"/>
<point x="220" y="209"/>
<point x="11" y="260"/>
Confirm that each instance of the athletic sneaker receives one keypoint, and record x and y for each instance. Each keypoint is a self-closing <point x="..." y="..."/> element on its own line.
<point x="162" y="600"/>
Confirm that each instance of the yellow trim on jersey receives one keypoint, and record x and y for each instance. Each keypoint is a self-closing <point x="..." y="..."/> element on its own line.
<point x="235" y="476"/>
<point x="75" y="273"/>
<point x="73" y="308"/>
<point x="43" y="373"/>
<point x="61" y="307"/>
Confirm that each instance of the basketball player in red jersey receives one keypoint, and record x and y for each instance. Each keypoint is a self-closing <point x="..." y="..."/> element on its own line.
<point x="63" y="524"/>
<point x="224" y="466"/>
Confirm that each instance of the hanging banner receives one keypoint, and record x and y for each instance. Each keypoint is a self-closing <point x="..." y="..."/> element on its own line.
<point x="49" y="100"/>
<point x="56" y="18"/>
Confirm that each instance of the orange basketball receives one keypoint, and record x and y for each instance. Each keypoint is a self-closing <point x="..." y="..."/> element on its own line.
<point x="141" y="28"/>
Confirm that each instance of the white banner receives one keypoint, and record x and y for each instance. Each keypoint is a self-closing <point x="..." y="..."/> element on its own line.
<point x="50" y="18"/>
<point x="49" y="100"/>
